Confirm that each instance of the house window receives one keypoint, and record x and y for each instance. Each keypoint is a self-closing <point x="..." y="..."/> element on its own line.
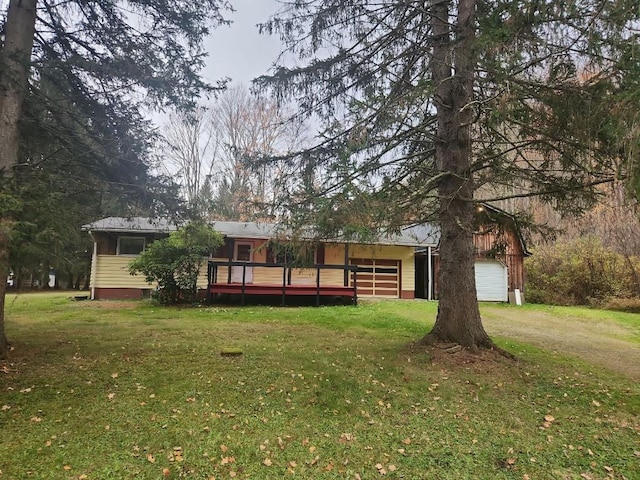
<point x="303" y="257"/>
<point x="130" y="245"/>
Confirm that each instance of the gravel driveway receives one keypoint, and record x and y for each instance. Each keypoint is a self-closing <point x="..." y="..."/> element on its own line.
<point x="599" y="342"/>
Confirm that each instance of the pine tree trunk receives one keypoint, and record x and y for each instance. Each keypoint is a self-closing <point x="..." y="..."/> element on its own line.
<point x="458" y="318"/>
<point x="14" y="76"/>
<point x="4" y="273"/>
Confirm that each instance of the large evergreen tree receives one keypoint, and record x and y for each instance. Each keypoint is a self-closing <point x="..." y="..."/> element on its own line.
<point x="430" y="107"/>
<point x="89" y="71"/>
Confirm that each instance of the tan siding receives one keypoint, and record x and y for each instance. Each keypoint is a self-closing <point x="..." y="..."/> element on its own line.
<point x="392" y="252"/>
<point x="334" y="254"/>
<point x="267" y="276"/>
<point x="112" y="271"/>
<point x="203" y="275"/>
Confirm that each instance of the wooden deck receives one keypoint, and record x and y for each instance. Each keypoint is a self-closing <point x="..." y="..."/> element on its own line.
<point x="282" y="290"/>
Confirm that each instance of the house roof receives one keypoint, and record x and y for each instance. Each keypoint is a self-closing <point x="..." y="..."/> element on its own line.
<point x="419" y="236"/>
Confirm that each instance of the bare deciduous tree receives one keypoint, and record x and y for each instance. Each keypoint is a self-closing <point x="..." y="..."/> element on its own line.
<point x="219" y="154"/>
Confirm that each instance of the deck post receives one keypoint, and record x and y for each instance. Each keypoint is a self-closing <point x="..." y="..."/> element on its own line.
<point x="284" y="284"/>
<point x="346" y="262"/>
<point x="230" y="256"/>
<point x="244" y="273"/>
<point x="317" y="286"/>
<point x="355" y="286"/>
<point x="210" y="269"/>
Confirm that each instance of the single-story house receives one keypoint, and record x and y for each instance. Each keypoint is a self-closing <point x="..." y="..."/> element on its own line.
<point x="392" y="266"/>
<point x="246" y="264"/>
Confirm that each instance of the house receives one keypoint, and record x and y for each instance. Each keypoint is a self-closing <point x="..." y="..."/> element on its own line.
<point x="500" y="253"/>
<point x="250" y="262"/>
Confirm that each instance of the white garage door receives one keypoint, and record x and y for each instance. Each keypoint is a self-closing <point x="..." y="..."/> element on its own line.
<point x="491" y="281"/>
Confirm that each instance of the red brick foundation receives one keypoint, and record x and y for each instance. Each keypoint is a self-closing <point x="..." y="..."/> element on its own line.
<point x="119" y="293"/>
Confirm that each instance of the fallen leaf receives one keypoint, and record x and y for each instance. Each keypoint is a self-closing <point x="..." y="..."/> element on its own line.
<point x="151" y="458"/>
<point x="586" y="476"/>
<point x="114" y="375"/>
<point x="5" y="407"/>
<point x="346" y="437"/>
<point x="111" y="396"/>
<point x="549" y="418"/>
<point x="227" y="460"/>
<point x="36" y="419"/>
<point x="608" y="469"/>
<point x="67" y="467"/>
<point x="293" y="464"/>
<point x="267" y="462"/>
<point x="392" y="468"/>
<point x="407" y="441"/>
<point x="232" y="474"/>
<point x="224" y="448"/>
<point x="166" y="472"/>
<point x="596" y="403"/>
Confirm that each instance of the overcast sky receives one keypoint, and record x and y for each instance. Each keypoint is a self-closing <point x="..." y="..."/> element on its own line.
<point x="238" y="51"/>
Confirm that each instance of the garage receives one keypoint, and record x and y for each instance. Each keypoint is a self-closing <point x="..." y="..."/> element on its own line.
<point x="377" y="277"/>
<point x="491" y="281"/>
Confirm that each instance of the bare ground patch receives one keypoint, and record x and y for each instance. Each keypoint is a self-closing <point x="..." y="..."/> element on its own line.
<point x="454" y="357"/>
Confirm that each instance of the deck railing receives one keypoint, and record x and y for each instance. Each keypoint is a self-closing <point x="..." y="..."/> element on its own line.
<point x="286" y="287"/>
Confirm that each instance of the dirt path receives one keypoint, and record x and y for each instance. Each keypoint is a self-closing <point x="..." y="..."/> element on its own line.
<point x="595" y="342"/>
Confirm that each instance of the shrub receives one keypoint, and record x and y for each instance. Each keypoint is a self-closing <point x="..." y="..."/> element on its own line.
<point x="579" y="272"/>
<point x="174" y="262"/>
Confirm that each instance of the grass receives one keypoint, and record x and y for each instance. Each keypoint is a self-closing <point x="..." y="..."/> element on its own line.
<point x="119" y="390"/>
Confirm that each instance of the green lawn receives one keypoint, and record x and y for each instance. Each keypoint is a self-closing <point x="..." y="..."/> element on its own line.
<point x="120" y="390"/>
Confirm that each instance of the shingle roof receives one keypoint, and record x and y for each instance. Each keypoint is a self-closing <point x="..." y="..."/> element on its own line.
<point x="418" y="236"/>
<point x="131" y="224"/>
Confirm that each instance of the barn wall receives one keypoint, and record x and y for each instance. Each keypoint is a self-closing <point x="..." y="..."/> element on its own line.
<point x="504" y="246"/>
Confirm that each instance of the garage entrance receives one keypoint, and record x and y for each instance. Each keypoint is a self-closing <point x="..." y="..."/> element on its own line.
<point x="378" y="278"/>
<point x="491" y="281"/>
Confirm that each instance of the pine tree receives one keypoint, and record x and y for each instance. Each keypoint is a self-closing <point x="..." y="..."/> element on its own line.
<point x="95" y="68"/>
<point x="430" y="107"/>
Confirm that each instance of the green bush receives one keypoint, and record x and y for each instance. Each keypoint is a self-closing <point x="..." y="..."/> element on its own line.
<point x="580" y="272"/>
<point x="174" y="262"/>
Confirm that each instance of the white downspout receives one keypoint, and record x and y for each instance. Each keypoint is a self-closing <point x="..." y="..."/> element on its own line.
<point x="429" y="275"/>
<point x="94" y="264"/>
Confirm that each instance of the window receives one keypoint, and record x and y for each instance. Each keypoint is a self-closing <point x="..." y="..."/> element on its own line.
<point x="295" y="256"/>
<point x="130" y="245"/>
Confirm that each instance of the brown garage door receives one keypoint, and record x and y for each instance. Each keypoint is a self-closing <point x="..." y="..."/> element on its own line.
<point x="379" y="278"/>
